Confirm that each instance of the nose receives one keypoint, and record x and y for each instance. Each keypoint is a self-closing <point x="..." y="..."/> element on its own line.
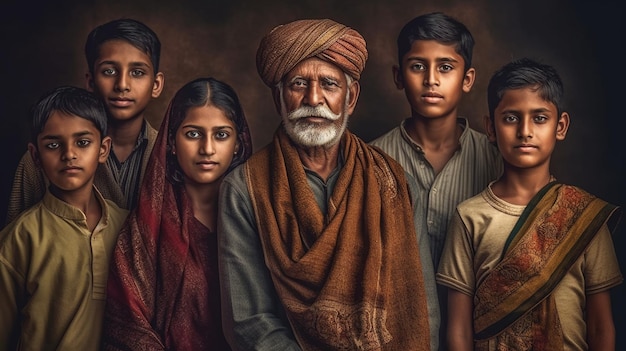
<point x="525" y="128"/>
<point x="122" y="83"/>
<point x="207" y="146"/>
<point x="68" y="153"/>
<point x="431" y="77"/>
<point x="313" y="95"/>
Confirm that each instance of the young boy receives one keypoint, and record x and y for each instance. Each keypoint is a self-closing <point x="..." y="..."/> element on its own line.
<point x="450" y="161"/>
<point x="123" y="60"/>
<point x="529" y="262"/>
<point x="54" y="257"/>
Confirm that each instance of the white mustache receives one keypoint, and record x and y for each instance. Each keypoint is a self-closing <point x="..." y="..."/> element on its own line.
<point x="310" y="111"/>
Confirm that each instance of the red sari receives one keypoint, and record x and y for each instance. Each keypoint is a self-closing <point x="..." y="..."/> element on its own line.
<point x="163" y="287"/>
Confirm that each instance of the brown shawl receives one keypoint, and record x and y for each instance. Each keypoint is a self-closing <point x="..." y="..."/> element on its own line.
<point x="514" y="305"/>
<point x="359" y="285"/>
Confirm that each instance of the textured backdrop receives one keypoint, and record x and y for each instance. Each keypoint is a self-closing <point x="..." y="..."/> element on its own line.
<point x="42" y="47"/>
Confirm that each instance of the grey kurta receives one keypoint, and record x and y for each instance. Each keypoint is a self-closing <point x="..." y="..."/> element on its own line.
<point x="252" y="315"/>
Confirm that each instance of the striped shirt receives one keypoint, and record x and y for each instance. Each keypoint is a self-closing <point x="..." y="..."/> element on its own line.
<point x="475" y="163"/>
<point x="128" y="173"/>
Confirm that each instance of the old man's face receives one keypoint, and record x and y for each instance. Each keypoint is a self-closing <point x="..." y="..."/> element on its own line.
<point x="316" y="100"/>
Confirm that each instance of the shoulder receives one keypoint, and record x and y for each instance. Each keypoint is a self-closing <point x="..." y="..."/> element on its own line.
<point x="27" y="168"/>
<point x="472" y="139"/>
<point x="27" y="222"/>
<point x="391" y="136"/>
<point x="151" y="131"/>
<point x="472" y="204"/>
<point x="477" y="137"/>
<point x="115" y="212"/>
<point x="235" y="183"/>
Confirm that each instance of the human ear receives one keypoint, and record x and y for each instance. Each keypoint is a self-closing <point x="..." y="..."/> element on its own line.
<point x="157" y="86"/>
<point x="468" y="80"/>
<point x="34" y="154"/>
<point x="105" y="148"/>
<point x="355" y="89"/>
<point x="397" y="77"/>
<point x="562" y="125"/>
<point x="490" y="129"/>
<point x="89" y="82"/>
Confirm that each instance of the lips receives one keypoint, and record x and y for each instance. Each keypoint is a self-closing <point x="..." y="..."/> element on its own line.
<point x="526" y="147"/>
<point x="71" y="169"/>
<point x="432" y="97"/>
<point x="121" y="102"/>
<point x="207" y="165"/>
<point x="432" y="94"/>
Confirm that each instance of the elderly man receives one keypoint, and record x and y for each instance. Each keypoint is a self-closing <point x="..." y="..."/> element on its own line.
<point x="317" y="242"/>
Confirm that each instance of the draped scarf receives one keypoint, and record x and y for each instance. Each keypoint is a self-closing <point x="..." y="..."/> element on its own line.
<point x="163" y="286"/>
<point x="514" y="305"/>
<point x="350" y="279"/>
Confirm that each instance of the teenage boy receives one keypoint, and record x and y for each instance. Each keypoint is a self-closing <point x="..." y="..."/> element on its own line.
<point x="54" y="257"/>
<point x="450" y="161"/>
<point x="123" y="60"/>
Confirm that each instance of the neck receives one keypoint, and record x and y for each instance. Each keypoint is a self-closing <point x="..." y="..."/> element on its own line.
<point x="434" y="133"/>
<point x="519" y="186"/>
<point x="125" y="133"/>
<point x="204" y="199"/>
<point x="321" y="160"/>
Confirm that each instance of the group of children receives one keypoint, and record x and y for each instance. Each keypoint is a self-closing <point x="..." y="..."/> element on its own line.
<point x="110" y="236"/>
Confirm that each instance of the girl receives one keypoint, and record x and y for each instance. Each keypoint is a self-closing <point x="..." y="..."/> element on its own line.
<point x="163" y="288"/>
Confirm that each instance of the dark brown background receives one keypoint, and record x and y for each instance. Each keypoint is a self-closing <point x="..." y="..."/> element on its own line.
<point x="42" y="47"/>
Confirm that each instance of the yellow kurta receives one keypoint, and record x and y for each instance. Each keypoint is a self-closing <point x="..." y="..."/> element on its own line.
<point x="53" y="274"/>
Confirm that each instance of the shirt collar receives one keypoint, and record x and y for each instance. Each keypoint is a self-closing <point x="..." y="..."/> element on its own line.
<point x="462" y="121"/>
<point x="69" y="212"/>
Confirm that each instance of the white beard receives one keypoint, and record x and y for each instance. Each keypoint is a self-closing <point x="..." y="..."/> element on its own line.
<point x="313" y="134"/>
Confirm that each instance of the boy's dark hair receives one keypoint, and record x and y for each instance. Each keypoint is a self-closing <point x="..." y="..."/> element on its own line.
<point x="132" y="31"/>
<point x="72" y="101"/>
<point x="441" y="28"/>
<point x="205" y="92"/>
<point x="525" y="73"/>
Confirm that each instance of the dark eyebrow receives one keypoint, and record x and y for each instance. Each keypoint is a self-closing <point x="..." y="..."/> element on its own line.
<point x="537" y="110"/>
<point x="202" y="128"/>
<point x="75" y="135"/>
<point x="132" y="64"/>
<point x="438" y="59"/>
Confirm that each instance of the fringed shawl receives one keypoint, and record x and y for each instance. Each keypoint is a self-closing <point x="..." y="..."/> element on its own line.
<point x="359" y="285"/>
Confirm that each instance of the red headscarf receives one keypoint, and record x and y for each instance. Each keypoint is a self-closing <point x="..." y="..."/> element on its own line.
<point x="163" y="290"/>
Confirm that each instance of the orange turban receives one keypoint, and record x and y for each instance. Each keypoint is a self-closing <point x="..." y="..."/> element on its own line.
<point x="289" y="44"/>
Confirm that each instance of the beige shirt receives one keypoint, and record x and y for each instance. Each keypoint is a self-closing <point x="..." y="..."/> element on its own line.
<point x="53" y="275"/>
<point x="476" y="238"/>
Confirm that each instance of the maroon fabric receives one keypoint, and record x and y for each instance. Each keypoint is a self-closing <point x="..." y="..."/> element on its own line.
<point x="163" y="288"/>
